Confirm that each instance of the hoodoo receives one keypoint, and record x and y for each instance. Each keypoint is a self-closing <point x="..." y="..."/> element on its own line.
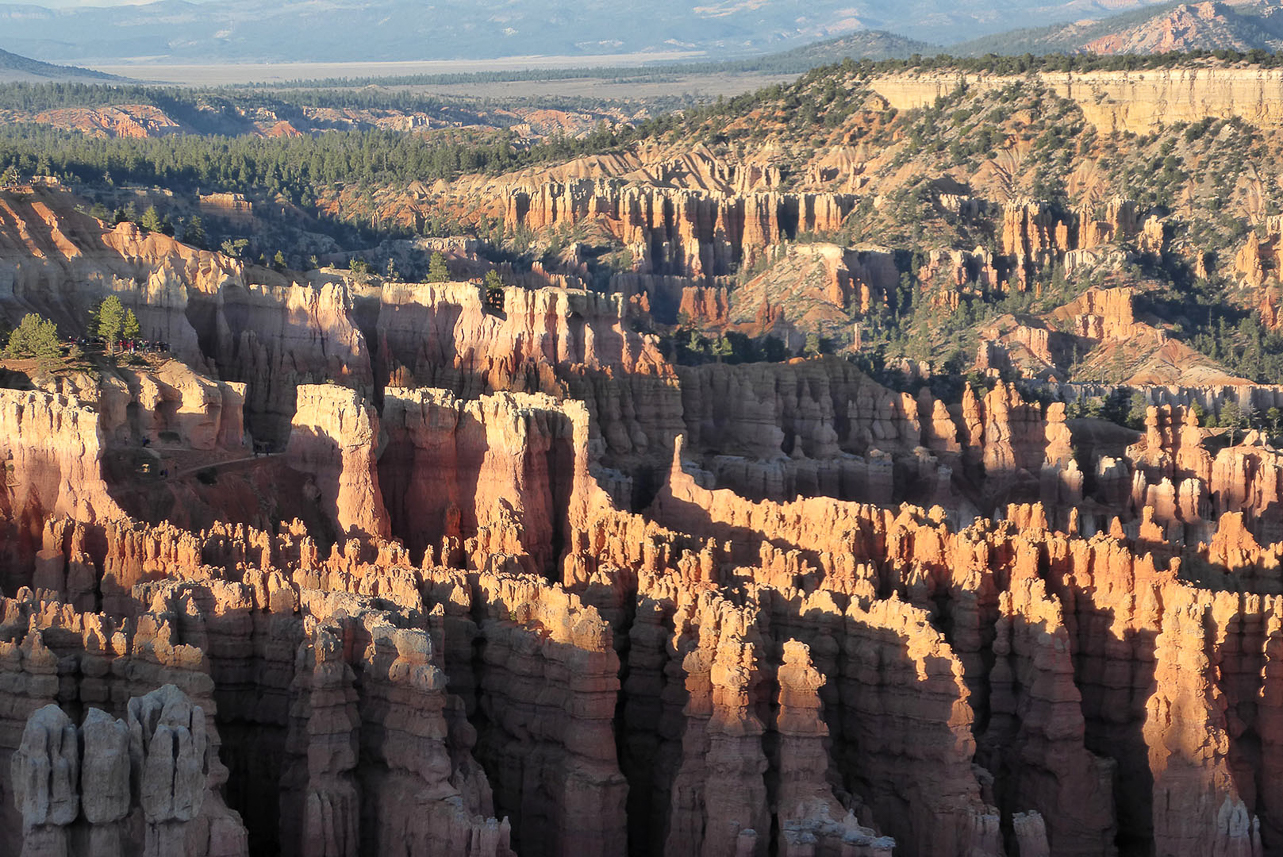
<point x="882" y="464"/>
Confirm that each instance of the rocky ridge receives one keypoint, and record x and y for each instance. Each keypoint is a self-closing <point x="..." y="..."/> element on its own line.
<point x="561" y="596"/>
<point x="1123" y="101"/>
<point x="719" y="599"/>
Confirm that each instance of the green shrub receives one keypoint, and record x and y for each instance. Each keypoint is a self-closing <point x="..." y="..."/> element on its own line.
<point x="35" y="337"/>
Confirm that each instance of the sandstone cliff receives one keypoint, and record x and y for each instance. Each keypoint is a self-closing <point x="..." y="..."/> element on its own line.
<point x="842" y="619"/>
<point x="334" y="438"/>
<point x="498" y="472"/>
<point x="677" y="231"/>
<point x="1120" y="100"/>
<point x="53" y="449"/>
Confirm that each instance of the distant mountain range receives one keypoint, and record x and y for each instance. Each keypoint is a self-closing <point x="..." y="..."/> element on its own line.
<point x="866" y="44"/>
<point x="361" y="30"/>
<point x="1171" y="27"/>
<point x="767" y="35"/>
<point x="18" y="68"/>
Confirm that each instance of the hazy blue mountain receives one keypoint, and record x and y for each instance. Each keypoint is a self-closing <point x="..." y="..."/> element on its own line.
<point x="17" y="68"/>
<point x="351" y="30"/>
<point x="866" y="44"/>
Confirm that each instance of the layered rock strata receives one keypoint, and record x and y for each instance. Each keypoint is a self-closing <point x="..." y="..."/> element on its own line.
<point x="334" y="438"/>
<point x="909" y="625"/>
<point x="1120" y="100"/>
<point x="681" y="232"/>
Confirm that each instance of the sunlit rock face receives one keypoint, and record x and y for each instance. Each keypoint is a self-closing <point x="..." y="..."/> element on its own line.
<point x="493" y="581"/>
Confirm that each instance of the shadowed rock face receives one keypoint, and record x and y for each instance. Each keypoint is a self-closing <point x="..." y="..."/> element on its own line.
<point x="333" y="438"/>
<point x="840" y="620"/>
<point x="713" y="674"/>
<point x="115" y="787"/>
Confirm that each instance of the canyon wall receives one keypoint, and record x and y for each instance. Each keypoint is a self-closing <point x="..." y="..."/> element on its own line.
<point x="497" y="473"/>
<point x="52" y="448"/>
<point x="676" y="231"/>
<point x="715" y="675"/>
<point x="844" y="619"/>
<point x="215" y="313"/>
<point x="1136" y="101"/>
<point x="334" y="439"/>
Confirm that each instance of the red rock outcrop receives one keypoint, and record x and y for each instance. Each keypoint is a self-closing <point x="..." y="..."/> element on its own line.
<point x="1197" y="807"/>
<point x="1185" y="488"/>
<point x="1036" y="234"/>
<point x="1104" y="314"/>
<point x="806" y="809"/>
<point x="567" y="344"/>
<point x="1036" y="727"/>
<point x="778" y="655"/>
<point x="499" y="470"/>
<point x="174" y="401"/>
<point x="720" y="660"/>
<point x="123" y="120"/>
<point x="52" y="447"/>
<point x="109" y="662"/>
<point x="705" y="235"/>
<point x="334" y="438"/>
<point x="250" y="324"/>
<point x="1183" y="26"/>
<point x="548" y="686"/>
<point x="719" y="801"/>
<point x="807" y="427"/>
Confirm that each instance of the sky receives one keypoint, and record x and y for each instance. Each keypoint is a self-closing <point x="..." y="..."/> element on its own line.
<point x="75" y="4"/>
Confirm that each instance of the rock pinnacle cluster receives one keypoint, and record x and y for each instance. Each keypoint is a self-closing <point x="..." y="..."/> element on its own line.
<point x="366" y="567"/>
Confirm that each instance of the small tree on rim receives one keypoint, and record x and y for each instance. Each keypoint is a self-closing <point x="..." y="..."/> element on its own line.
<point x="36" y="337"/>
<point x="111" y="321"/>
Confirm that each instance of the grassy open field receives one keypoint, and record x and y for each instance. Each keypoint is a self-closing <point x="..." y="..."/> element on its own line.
<point x="238" y="73"/>
<point x="706" y="85"/>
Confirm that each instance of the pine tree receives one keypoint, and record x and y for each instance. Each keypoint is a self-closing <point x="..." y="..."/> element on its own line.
<point x="95" y="318"/>
<point x="1137" y="411"/>
<point x="35" y="337"/>
<point x="494" y="290"/>
<point x="1231" y="417"/>
<point x="722" y="348"/>
<point x="437" y="270"/>
<point x="194" y="233"/>
<point x="773" y="350"/>
<point x="234" y="247"/>
<point x="130" y="329"/>
<point x="111" y="321"/>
